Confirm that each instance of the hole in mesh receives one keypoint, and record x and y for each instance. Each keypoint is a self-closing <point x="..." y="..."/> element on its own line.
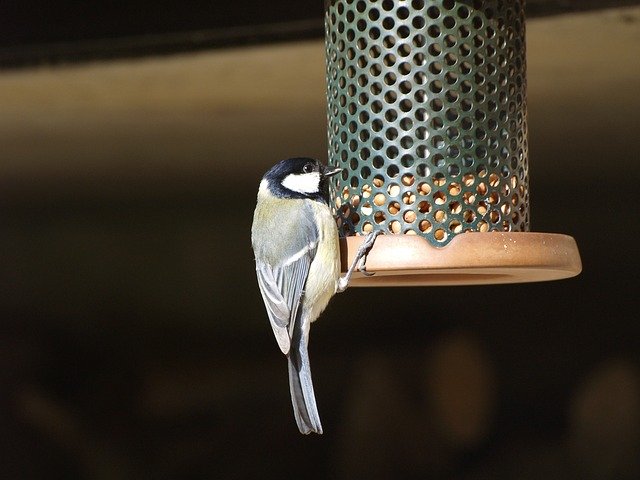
<point x="363" y="99"/>
<point x="393" y="170"/>
<point x="365" y="153"/>
<point x="455" y="226"/>
<point x="424" y="189"/>
<point x="389" y="59"/>
<point x="393" y="208"/>
<point x="387" y="5"/>
<point x="379" y="218"/>
<point x="379" y="199"/>
<point x="367" y="227"/>
<point x="388" y="23"/>
<point x="354" y="182"/>
<point x="452" y="114"/>
<point x="365" y="172"/>
<point x="494" y="180"/>
<point x="419" y="40"/>
<point x="439" y="216"/>
<point x="392" y="152"/>
<point x="376" y="125"/>
<point x="425" y="226"/>
<point x="375" y="51"/>
<point x="449" y="22"/>
<point x="417" y="4"/>
<point x="406" y="142"/>
<point x="389" y="41"/>
<point x="390" y="78"/>
<point x="421" y="115"/>
<point x="366" y="208"/>
<point x="436" y="104"/>
<point x="468" y="216"/>
<point x="482" y="207"/>
<point x="439" y="180"/>
<point x="422" y="151"/>
<point x="403" y="31"/>
<point x="420" y="78"/>
<point x="424" y="207"/>
<point x="377" y="143"/>
<point x="375" y="69"/>
<point x="437" y="141"/>
<point x="452" y="96"/>
<point x="422" y="133"/>
<point x="448" y="4"/>
<point x="433" y="31"/>
<point x="391" y="133"/>
<point x="469" y="198"/>
<point x="466" y="105"/>
<point x="407" y="161"/>
<point x="418" y="22"/>
<point x="393" y="189"/>
<point x="422" y="170"/>
<point x="453" y="170"/>
<point x="433" y="12"/>
<point x="438" y="160"/>
<point x="494" y="198"/>
<point x="450" y="40"/>
<point x="404" y="68"/>
<point x="452" y="151"/>
<point x="467" y="142"/>
<point x="451" y="77"/>
<point x="402" y="13"/>
<point x="407" y="179"/>
<point x="409" y="216"/>
<point x="395" y="226"/>
<point x="435" y="49"/>
<point x="378" y="162"/>
<point x="391" y="115"/>
<point x="455" y="207"/>
<point x="419" y="59"/>
<point x="406" y="124"/>
<point x="405" y="105"/>
<point x="465" y="68"/>
<point x="404" y="50"/>
<point x="494" y="216"/>
<point x="481" y="171"/>
<point x="376" y="106"/>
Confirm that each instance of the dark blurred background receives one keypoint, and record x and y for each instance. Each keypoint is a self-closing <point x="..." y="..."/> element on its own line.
<point x="133" y="339"/>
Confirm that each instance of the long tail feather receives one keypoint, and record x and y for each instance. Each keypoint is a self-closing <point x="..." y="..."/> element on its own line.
<point x="302" y="396"/>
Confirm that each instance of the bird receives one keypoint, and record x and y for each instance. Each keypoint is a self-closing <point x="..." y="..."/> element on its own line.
<point x="297" y="255"/>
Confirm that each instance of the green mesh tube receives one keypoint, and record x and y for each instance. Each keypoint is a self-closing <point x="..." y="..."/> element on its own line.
<point x="427" y="116"/>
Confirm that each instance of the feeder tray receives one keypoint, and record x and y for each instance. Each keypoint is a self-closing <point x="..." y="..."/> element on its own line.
<point x="426" y="110"/>
<point x="469" y="259"/>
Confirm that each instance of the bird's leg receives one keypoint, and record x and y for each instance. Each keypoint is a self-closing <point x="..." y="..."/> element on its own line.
<point x="359" y="261"/>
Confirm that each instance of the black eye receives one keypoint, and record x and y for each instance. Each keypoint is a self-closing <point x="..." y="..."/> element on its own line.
<point x="308" y="168"/>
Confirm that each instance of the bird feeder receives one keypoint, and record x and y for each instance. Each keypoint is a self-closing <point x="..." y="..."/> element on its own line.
<point x="427" y="117"/>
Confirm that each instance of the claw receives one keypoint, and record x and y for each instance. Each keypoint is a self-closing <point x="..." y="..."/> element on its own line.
<point x="359" y="261"/>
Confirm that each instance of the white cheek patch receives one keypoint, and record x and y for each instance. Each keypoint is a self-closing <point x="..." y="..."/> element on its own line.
<point x="302" y="183"/>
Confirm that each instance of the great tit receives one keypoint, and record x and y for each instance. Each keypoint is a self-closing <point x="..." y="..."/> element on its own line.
<point x="297" y="253"/>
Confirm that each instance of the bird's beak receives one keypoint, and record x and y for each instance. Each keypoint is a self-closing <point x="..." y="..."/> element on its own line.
<point x="330" y="171"/>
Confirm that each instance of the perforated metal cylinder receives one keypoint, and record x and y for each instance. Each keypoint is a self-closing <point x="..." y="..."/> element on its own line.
<point x="427" y="116"/>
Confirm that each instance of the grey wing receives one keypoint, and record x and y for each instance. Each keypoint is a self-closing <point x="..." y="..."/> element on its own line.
<point x="282" y="287"/>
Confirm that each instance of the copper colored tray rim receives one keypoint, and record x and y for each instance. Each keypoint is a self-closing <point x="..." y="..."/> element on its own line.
<point x="469" y="259"/>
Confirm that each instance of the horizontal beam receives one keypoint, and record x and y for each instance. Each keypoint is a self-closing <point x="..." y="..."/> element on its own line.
<point x="37" y="32"/>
